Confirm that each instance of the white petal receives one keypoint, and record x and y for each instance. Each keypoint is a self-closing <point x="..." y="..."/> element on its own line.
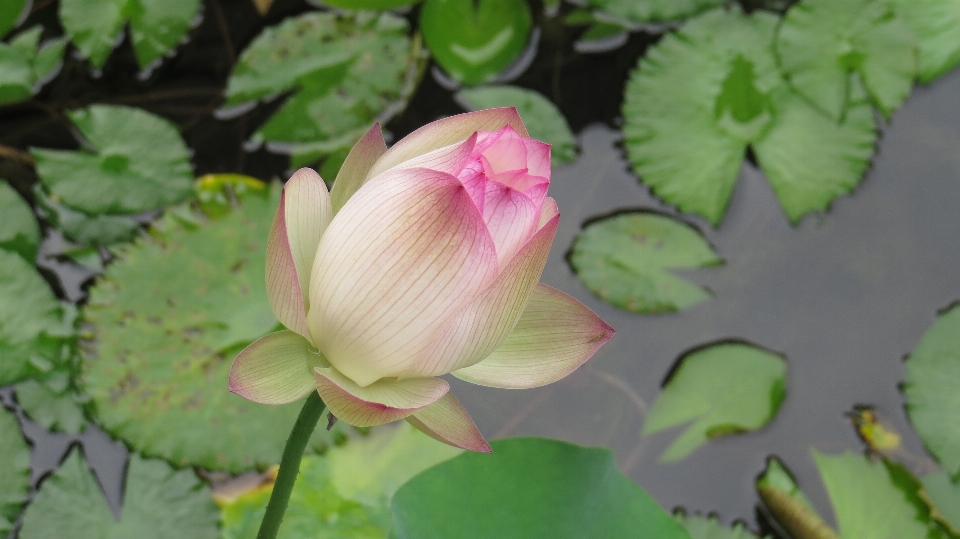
<point x="555" y="335"/>
<point x="275" y="369"/>
<point x="308" y="213"/>
<point x="449" y="422"/>
<point x="378" y="403"/>
<point x="403" y="256"/>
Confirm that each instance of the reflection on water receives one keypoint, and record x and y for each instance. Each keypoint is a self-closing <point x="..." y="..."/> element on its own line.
<point x="844" y="295"/>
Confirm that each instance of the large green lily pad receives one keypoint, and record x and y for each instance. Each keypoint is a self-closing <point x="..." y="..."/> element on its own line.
<point x="655" y="10"/>
<point x="25" y="65"/>
<point x="936" y="24"/>
<point x="932" y="389"/>
<point x="474" y="40"/>
<point x="344" y="494"/>
<point x="529" y="487"/>
<point x="346" y="70"/>
<point x="158" y="502"/>
<point x="705" y="93"/>
<point x="823" y="42"/>
<point x="20" y="232"/>
<point x="724" y="388"/>
<point x="156" y="26"/>
<point x="542" y="118"/>
<point x="14" y="470"/>
<point x="626" y="260"/>
<point x="168" y="318"/>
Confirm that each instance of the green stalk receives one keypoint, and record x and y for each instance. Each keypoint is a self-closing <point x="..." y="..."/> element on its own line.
<point x="290" y="465"/>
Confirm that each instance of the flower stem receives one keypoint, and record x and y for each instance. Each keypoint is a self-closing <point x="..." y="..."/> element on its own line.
<point x="290" y="465"/>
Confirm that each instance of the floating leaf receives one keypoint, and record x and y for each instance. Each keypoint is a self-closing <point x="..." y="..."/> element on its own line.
<point x="11" y="12"/>
<point x="14" y="470"/>
<point x="474" y="40"/>
<point x="84" y="229"/>
<point x="788" y="505"/>
<point x="822" y="42"/>
<point x="932" y="389"/>
<point x="943" y="496"/>
<point x="542" y="118"/>
<point x="700" y="527"/>
<point x="159" y="502"/>
<point x="169" y="316"/>
<point x="706" y="92"/>
<point x="34" y="330"/>
<point x="867" y="502"/>
<point x="625" y="259"/>
<point x="20" y="232"/>
<point x="370" y="4"/>
<point x="139" y="163"/>
<point x="344" y="494"/>
<point x="25" y="65"/>
<point x="936" y="24"/>
<point x="724" y="388"/>
<point x="347" y="71"/>
<point x="52" y="400"/>
<point x="156" y="26"/>
<point x="655" y="10"/>
<point x="529" y="487"/>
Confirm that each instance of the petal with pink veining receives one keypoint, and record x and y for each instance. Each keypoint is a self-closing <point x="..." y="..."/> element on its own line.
<point x="445" y="132"/>
<point x="555" y="335"/>
<point x="378" y="403"/>
<point x="508" y="151"/>
<point x="449" y="159"/>
<point x="353" y="172"/>
<point x="449" y="422"/>
<point x="275" y="369"/>
<point x="406" y="253"/>
<point x="511" y="218"/>
<point x="538" y="158"/>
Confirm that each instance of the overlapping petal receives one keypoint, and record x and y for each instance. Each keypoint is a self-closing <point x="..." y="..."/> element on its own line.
<point x="378" y="403"/>
<point x="483" y="325"/>
<point x="449" y="422"/>
<point x="445" y="132"/>
<point x="449" y="159"/>
<point x="406" y="253"/>
<point x="555" y="335"/>
<point x="276" y="369"/>
<point x="511" y="218"/>
<point x="353" y="172"/>
<point x="302" y="216"/>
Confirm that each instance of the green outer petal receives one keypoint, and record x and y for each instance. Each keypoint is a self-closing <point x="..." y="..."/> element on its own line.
<point x="449" y="422"/>
<point x="353" y="172"/>
<point x="275" y="369"/>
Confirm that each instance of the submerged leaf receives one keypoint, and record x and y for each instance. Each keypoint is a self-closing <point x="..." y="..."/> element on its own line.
<point x="14" y="470"/>
<point x="723" y="388"/>
<point x="626" y="260"/>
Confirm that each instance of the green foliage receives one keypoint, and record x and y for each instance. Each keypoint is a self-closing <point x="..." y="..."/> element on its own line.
<point x="625" y="260"/>
<point x="823" y="42"/>
<point x="25" y="65"/>
<point x="138" y="163"/>
<point x="169" y="316"/>
<point x="542" y="118"/>
<point x="52" y="400"/>
<point x="936" y="24"/>
<point x="474" y="40"/>
<point x="529" y="487"/>
<point x="11" y="11"/>
<point x="344" y="494"/>
<point x="655" y="10"/>
<point x="724" y="388"/>
<point x="159" y="502"/>
<point x="709" y="528"/>
<point x="14" y="470"/>
<point x="156" y="26"/>
<point x="347" y="71"/>
<point x="84" y="229"/>
<point x="932" y="389"/>
<point x="370" y="4"/>
<point x="20" y="233"/>
<point x="788" y="505"/>
<point x="943" y="497"/>
<point x="704" y="94"/>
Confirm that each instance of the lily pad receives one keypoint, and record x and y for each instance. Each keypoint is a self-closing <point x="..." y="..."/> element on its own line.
<point x="529" y="487"/>
<point x="35" y="330"/>
<point x="11" y="13"/>
<point x="932" y="389"/>
<point x="370" y="4"/>
<point x="542" y="118"/>
<point x="700" y="527"/>
<point x="159" y="502"/>
<point x="14" y="470"/>
<point x="655" y="10"/>
<point x="25" y="64"/>
<point x="168" y="318"/>
<point x="788" y="505"/>
<point x="20" y="232"/>
<point x="943" y="496"/>
<point x="344" y="494"/>
<point x="705" y="93"/>
<point x="83" y="229"/>
<point x="625" y="260"/>
<point x="346" y="70"/>
<point x="475" y="40"/>
<point x="823" y="42"/>
<point x="138" y="163"/>
<point x="936" y="24"/>
<point x="156" y="26"/>
<point x="720" y="389"/>
<point x="52" y="399"/>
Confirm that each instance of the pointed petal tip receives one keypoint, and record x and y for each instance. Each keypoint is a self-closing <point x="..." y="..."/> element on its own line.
<point x="305" y="173"/>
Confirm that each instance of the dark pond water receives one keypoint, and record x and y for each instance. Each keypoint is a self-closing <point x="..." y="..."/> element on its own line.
<point x="844" y="295"/>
